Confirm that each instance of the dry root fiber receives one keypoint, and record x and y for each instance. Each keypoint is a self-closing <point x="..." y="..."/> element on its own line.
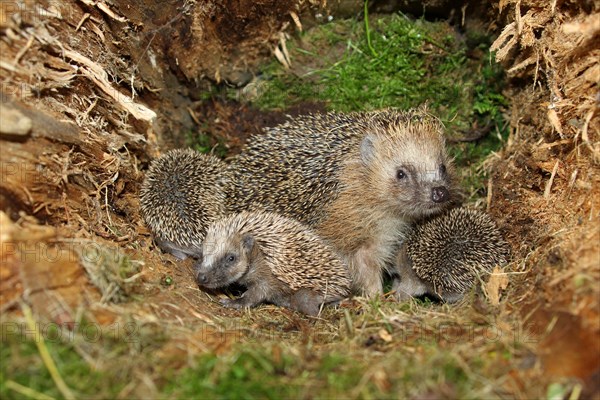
<point x="557" y="44"/>
<point x="546" y="181"/>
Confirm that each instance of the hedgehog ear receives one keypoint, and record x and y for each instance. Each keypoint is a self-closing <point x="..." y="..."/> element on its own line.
<point x="248" y="242"/>
<point x="367" y="149"/>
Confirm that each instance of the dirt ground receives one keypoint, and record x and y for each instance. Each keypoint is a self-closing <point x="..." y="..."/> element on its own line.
<point x="93" y="91"/>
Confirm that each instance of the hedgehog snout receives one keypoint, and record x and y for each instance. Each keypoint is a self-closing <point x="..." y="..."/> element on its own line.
<point x="207" y="278"/>
<point x="201" y="278"/>
<point x="200" y="272"/>
<point x="440" y="194"/>
<point x="197" y="271"/>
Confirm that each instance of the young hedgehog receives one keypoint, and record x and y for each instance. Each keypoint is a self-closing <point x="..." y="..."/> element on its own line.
<point x="442" y="257"/>
<point x="277" y="259"/>
<point x="183" y="192"/>
<point x="360" y="180"/>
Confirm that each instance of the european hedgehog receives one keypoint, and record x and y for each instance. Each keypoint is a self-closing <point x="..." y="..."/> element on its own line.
<point x="443" y="256"/>
<point x="183" y="192"/>
<point x="277" y="259"/>
<point x="360" y="180"/>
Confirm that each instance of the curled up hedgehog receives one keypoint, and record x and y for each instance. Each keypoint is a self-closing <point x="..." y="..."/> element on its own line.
<point x="183" y="192"/>
<point x="444" y="256"/>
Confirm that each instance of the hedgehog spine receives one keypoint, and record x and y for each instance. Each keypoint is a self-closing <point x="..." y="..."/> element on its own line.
<point x="443" y="256"/>
<point x="184" y="191"/>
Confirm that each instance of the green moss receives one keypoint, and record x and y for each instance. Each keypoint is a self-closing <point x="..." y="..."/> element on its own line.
<point x="205" y="143"/>
<point x="95" y="362"/>
<point x="407" y="62"/>
<point x="254" y="373"/>
<point x="20" y="363"/>
<point x="349" y="370"/>
<point x="236" y="376"/>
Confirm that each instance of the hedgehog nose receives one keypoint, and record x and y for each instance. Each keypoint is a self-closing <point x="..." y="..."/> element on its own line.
<point x="201" y="278"/>
<point x="440" y="194"/>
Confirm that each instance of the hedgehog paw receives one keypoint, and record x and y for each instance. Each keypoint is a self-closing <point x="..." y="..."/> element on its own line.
<point x="232" y="303"/>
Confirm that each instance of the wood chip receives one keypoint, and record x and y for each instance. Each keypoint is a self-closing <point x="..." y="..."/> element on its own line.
<point x="296" y="20"/>
<point x="99" y="76"/>
<point x="13" y="122"/>
<point x="553" y="118"/>
<point x="498" y="281"/>
<point x="385" y="335"/>
<point x="105" y="9"/>
<point x="548" y="188"/>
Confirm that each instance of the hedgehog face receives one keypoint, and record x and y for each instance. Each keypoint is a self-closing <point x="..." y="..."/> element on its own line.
<point x="420" y="187"/>
<point x="410" y="170"/>
<point x="224" y="262"/>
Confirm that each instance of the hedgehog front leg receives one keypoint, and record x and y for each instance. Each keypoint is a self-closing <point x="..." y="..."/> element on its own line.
<point x="366" y="272"/>
<point x="253" y="296"/>
<point x="406" y="284"/>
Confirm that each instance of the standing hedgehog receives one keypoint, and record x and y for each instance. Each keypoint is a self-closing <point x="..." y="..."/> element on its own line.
<point x="360" y="180"/>
<point x="183" y="192"/>
<point x="444" y="256"/>
<point x="278" y="260"/>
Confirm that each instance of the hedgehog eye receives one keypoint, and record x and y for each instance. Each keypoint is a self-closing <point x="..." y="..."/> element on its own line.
<point x="400" y="174"/>
<point x="443" y="171"/>
<point x="230" y="258"/>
